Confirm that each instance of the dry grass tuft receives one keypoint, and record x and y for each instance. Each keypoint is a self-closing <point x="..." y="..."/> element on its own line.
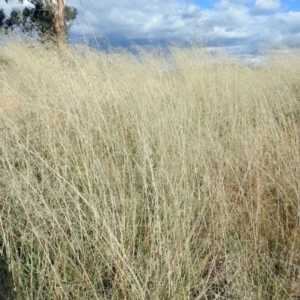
<point x="127" y="178"/>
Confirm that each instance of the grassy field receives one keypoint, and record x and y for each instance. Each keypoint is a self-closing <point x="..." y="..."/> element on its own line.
<point x="125" y="178"/>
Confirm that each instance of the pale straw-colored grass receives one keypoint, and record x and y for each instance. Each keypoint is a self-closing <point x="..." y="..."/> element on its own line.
<point x="130" y="178"/>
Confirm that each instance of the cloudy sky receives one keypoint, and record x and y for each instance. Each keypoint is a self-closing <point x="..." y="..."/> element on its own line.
<point x="235" y="24"/>
<point x="231" y="23"/>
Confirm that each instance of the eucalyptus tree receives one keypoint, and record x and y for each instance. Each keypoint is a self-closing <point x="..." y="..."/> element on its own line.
<point x="49" y="19"/>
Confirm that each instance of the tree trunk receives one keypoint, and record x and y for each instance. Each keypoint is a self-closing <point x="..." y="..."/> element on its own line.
<point x="58" y="15"/>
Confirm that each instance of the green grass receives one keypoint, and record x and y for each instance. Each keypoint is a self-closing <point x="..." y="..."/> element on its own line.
<point x="122" y="178"/>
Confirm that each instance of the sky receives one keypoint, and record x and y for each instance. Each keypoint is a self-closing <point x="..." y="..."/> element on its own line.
<point x="237" y="25"/>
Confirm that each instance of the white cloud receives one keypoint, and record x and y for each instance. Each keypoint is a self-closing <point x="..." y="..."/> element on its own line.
<point x="265" y="6"/>
<point x="232" y="23"/>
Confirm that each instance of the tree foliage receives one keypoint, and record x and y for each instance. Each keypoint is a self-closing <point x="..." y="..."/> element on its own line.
<point x="36" y="21"/>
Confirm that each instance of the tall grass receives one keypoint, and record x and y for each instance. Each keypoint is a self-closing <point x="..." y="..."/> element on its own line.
<point x="125" y="177"/>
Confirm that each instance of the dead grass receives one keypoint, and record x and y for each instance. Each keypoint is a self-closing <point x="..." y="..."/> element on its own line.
<point x="124" y="178"/>
<point x="9" y="106"/>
